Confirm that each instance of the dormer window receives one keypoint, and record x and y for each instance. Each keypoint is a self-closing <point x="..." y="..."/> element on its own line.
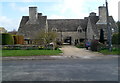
<point x="54" y="29"/>
<point x="79" y="29"/>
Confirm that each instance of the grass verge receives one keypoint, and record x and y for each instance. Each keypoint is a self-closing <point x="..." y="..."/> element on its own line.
<point x="107" y="52"/>
<point x="30" y="52"/>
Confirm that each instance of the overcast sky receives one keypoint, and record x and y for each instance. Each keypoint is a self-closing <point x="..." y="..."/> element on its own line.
<point x="11" y="11"/>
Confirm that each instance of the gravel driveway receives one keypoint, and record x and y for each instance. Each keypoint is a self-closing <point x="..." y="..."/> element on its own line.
<point x="73" y="51"/>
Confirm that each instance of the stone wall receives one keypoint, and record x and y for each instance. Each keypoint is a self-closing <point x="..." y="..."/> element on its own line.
<point x="74" y="36"/>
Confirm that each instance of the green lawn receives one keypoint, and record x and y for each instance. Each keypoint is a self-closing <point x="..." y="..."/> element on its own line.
<point x="29" y="52"/>
<point x="114" y="52"/>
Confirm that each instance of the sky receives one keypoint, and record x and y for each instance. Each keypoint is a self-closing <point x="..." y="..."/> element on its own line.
<point x="11" y="11"/>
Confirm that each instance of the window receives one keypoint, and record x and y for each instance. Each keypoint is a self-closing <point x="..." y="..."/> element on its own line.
<point x="54" y="29"/>
<point x="80" y="29"/>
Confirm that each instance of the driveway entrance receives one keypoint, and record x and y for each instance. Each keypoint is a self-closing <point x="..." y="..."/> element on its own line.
<point x="78" y="52"/>
<point x="68" y="40"/>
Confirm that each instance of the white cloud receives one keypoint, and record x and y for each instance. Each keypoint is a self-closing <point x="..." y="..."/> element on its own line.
<point x="82" y="8"/>
<point x="69" y="9"/>
<point x="113" y="8"/>
<point x="73" y="6"/>
<point x="19" y="8"/>
<point x="8" y="23"/>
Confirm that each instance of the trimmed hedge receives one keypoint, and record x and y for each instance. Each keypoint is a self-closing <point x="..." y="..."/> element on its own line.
<point x="15" y="39"/>
<point x="7" y="39"/>
<point x="18" y="39"/>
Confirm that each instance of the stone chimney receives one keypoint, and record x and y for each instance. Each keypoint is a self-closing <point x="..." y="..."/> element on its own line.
<point x="33" y="14"/>
<point x="92" y="14"/>
<point x="102" y="15"/>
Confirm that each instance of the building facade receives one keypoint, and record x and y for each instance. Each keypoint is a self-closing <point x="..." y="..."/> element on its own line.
<point x="3" y="30"/>
<point x="70" y="31"/>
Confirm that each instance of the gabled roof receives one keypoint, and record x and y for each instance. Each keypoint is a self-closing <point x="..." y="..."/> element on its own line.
<point x="67" y="24"/>
<point x="93" y="21"/>
<point x="29" y="30"/>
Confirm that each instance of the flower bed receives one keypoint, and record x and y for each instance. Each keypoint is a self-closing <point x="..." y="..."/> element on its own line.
<point x="26" y="47"/>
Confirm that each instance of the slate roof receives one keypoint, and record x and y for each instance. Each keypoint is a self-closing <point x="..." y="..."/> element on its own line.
<point x="67" y="24"/>
<point x="29" y="30"/>
<point x="93" y="21"/>
<point x="113" y="24"/>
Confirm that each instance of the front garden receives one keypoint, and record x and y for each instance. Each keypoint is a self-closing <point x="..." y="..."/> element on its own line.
<point x="102" y="48"/>
<point x="13" y="45"/>
<point x="29" y="50"/>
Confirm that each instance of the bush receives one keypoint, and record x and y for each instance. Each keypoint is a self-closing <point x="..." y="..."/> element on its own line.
<point x="102" y="46"/>
<point x="18" y="39"/>
<point x="7" y="39"/>
<point x="94" y="45"/>
<point x="81" y="45"/>
<point x="15" y="39"/>
<point x="115" y="39"/>
<point x="97" y="46"/>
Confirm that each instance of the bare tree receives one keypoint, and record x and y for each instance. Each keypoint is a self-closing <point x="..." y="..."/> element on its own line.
<point x="45" y="38"/>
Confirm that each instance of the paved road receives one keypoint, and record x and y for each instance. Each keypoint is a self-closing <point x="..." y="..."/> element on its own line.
<point x="64" y="69"/>
<point x="97" y="68"/>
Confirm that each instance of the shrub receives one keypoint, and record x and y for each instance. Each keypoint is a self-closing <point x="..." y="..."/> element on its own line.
<point x="102" y="46"/>
<point x="115" y="39"/>
<point x="81" y="45"/>
<point x="97" y="46"/>
<point x="18" y="39"/>
<point x="7" y="39"/>
<point x="94" y="45"/>
<point x="15" y="39"/>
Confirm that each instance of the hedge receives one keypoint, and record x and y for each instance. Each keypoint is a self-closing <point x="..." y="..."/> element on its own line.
<point x="18" y="39"/>
<point x="15" y="39"/>
<point x="7" y="39"/>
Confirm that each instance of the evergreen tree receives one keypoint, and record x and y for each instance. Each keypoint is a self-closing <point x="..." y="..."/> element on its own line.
<point x="118" y="23"/>
<point x="101" y="36"/>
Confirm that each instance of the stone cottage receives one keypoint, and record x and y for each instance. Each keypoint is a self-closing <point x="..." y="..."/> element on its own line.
<point x="70" y="31"/>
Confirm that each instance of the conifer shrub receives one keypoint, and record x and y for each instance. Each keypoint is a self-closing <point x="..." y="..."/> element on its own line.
<point x="7" y="39"/>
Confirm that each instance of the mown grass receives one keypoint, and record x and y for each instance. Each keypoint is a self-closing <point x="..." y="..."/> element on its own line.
<point x="30" y="52"/>
<point x="113" y="52"/>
